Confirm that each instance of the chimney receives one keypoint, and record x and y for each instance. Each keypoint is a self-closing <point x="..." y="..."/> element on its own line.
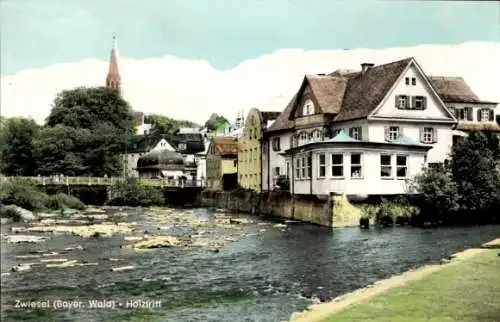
<point x="365" y="67"/>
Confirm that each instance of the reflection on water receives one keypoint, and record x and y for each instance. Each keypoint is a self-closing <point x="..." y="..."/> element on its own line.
<point x="264" y="276"/>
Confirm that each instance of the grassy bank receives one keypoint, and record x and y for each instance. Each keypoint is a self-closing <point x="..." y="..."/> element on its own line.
<point x="466" y="291"/>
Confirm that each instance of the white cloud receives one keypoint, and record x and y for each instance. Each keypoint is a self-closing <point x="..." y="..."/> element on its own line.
<point x="193" y="89"/>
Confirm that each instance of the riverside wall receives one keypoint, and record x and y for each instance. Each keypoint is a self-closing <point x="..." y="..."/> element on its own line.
<point x="319" y="210"/>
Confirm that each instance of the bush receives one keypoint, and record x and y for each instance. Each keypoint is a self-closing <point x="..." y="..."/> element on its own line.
<point x="62" y="201"/>
<point x="133" y="194"/>
<point x="10" y="213"/>
<point x="24" y="195"/>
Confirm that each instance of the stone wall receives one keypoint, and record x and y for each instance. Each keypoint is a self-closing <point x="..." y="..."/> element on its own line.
<point x="313" y="209"/>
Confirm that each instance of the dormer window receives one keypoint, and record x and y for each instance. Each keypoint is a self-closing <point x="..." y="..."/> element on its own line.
<point x="485" y="115"/>
<point x="308" y="108"/>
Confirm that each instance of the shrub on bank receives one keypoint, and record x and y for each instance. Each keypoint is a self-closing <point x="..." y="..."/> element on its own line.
<point x="24" y="195"/>
<point x="388" y="213"/>
<point x="30" y="197"/>
<point x="10" y="213"/>
<point x="132" y="193"/>
<point x="62" y="201"/>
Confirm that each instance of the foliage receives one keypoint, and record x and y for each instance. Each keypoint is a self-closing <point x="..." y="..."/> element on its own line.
<point x="16" y="146"/>
<point x="215" y="121"/>
<point x="62" y="150"/>
<point x="132" y="193"/>
<point x="30" y="197"/>
<point x="166" y="125"/>
<point x="24" y="195"/>
<point x="86" y="108"/>
<point x="438" y="191"/>
<point x="63" y="201"/>
<point x="475" y="169"/>
<point x="10" y="213"/>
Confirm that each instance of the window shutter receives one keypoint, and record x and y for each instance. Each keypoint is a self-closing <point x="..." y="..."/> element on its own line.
<point x="422" y="135"/>
<point x="434" y="135"/>
<point x="350" y="131"/>
<point x="424" y="102"/>
<point x="468" y="110"/>
<point x="492" y="116"/>
<point x="407" y="102"/>
<point x="413" y="101"/>
<point x="396" y="101"/>
<point x="386" y="131"/>
<point x="455" y="112"/>
<point x="360" y="131"/>
<point x="479" y="114"/>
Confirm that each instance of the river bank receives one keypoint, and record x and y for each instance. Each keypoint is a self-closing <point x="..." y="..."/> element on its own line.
<point x="262" y="270"/>
<point x="398" y="289"/>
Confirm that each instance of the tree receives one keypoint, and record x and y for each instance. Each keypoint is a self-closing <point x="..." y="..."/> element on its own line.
<point x="475" y="168"/>
<point x="62" y="150"/>
<point x="16" y="146"/>
<point x="215" y="121"/>
<point x="166" y="125"/>
<point x="438" y="191"/>
<point x="86" y="108"/>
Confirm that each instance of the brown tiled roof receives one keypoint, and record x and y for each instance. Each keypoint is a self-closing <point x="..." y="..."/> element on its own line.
<point x="283" y="121"/>
<point x="225" y="146"/>
<point x="364" y="92"/>
<point x="350" y="95"/>
<point x="329" y="91"/>
<point x="453" y="89"/>
<point x="269" y="116"/>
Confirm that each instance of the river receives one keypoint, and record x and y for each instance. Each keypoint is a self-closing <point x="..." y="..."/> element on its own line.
<point x="266" y="274"/>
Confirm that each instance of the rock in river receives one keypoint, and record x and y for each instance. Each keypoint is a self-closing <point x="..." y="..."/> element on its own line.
<point x="157" y="242"/>
<point x="25" y="239"/>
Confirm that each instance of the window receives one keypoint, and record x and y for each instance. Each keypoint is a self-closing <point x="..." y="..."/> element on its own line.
<point x="401" y="166"/>
<point x="485" y="115"/>
<point x="413" y="81"/>
<point x="355" y="133"/>
<point x="356" y="167"/>
<point x="402" y="101"/>
<point x="428" y="135"/>
<point x="463" y="114"/>
<point x="297" y="168"/>
<point x="308" y="108"/>
<point x="303" y="168"/>
<point x="337" y="165"/>
<point x="407" y="80"/>
<point x="391" y="133"/>
<point x="321" y="165"/>
<point x="309" y="169"/>
<point x="336" y="131"/>
<point x="182" y="146"/>
<point x="235" y="163"/>
<point x="419" y="102"/>
<point x="276" y="144"/>
<point x="318" y="135"/>
<point x="385" y="166"/>
<point x="276" y="171"/>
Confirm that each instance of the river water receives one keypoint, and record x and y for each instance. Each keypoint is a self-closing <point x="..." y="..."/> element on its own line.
<point x="265" y="275"/>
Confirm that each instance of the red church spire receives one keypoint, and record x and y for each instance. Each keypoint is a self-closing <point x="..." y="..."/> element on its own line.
<point x="113" y="80"/>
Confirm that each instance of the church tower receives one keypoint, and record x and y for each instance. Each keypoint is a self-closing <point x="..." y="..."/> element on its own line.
<point x="113" y="80"/>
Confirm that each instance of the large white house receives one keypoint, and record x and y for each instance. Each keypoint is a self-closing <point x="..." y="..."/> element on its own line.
<point x="361" y="133"/>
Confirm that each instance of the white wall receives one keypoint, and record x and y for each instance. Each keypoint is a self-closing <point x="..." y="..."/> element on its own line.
<point x="434" y="108"/>
<point x="440" y="150"/>
<point x="371" y="181"/>
<point x="275" y="159"/>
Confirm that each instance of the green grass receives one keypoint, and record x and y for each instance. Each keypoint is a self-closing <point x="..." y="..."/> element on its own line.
<point x="468" y="291"/>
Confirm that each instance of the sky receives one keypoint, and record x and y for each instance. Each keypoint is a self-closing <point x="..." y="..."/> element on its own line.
<point x="189" y="58"/>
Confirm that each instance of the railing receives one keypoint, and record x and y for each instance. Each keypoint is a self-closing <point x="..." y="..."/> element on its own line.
<point x="103" y="181"/>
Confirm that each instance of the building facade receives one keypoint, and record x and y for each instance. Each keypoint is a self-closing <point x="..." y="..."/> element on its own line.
<point x="222" y="160"/>
<point x="250" y="149"/>
<point x="366" y="132"/>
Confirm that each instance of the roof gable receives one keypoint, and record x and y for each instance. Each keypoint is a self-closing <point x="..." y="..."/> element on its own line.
<point x="435" y="108"/>
<point x="283" y="121"/>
